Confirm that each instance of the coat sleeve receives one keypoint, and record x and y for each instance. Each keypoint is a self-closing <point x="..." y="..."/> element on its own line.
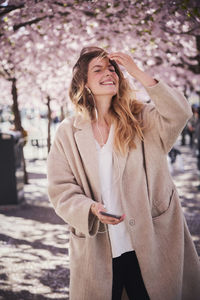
<point x="167" y="115"/>
<point x="66" y="195"/>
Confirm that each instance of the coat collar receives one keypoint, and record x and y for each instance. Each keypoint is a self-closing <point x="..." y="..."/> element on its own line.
<point x="80" y="122"/>
<point x="86" y="144"/>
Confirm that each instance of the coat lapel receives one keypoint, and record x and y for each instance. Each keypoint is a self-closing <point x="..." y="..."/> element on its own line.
<point x="87" y="149"/>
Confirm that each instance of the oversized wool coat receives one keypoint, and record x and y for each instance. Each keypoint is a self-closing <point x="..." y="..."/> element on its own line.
<point x="167" y="257"/>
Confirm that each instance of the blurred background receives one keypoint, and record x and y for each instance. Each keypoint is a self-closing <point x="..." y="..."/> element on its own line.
<point x="40" y="40"/>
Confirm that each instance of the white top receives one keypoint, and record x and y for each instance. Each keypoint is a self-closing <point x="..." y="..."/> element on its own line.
<point x="119" y="235"/>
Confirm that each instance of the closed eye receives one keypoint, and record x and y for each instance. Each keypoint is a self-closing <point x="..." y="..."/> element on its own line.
<point x="111" y="70"/>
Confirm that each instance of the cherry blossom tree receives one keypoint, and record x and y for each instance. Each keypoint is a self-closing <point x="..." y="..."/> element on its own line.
<point x="40" y="41"/>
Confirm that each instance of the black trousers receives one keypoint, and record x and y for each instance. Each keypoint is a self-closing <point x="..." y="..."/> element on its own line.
<point x="126" y="273"/>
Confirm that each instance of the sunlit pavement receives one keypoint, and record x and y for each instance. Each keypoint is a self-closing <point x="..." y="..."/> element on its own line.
<point x="187" y="183"/>
<point x="34" y="261"/>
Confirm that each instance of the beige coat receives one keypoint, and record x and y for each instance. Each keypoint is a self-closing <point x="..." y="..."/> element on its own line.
<point x="159" y="234"/>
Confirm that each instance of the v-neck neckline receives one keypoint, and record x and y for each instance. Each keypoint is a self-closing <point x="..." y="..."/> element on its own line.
<point x="108" y="139"/>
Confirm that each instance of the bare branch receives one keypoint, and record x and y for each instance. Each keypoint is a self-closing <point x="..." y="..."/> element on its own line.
<point x="171" y="31"/>
<point x="6" y="9"/>
<point x="194" y="68"/>
<point x="17" y="26"/>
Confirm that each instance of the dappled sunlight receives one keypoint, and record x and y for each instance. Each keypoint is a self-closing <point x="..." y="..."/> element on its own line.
<point x="32" y="231"/>
<point x="187" y="183"/>
<point x="33" y="254"/>
<point x="34" y="261"/>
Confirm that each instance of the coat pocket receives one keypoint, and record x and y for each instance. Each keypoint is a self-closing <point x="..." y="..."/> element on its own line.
<point x="161" y="210"/>
<point x="76" y="234"/>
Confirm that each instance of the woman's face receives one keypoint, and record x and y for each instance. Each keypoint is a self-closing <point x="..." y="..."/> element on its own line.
<point x="102" y="78"/>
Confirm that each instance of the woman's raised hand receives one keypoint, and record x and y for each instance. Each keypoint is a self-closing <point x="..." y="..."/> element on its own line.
<point x="126" y="61"/>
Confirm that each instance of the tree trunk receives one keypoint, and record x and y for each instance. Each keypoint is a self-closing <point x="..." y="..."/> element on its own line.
<point x="17" y="121"/>
<point x="198" y="50"/>
<point x="15" y="108"/>
<point x="49" y="124"/>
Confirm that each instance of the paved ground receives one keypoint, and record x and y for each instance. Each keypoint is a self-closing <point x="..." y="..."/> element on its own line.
<point x="34" y="262"/>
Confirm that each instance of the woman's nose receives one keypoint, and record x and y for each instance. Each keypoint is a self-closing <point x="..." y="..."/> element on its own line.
<point x="108" y="72"/>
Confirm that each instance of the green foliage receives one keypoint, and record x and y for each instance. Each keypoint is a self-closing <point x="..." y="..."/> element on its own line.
<point x="132" y="50"/>
<point x="147" y="31"/>
<point x="151" y="18"/>
<point x="109" y="15"/>
<point x="116" y="4"/>
<point x="183" y="7"/>
<point x="152" y="41"/>
<point x="108" y="5"/>
<point x="196" y="11"/>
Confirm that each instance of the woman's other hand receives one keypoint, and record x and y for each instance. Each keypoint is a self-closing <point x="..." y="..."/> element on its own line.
<point x="96" y="208"/>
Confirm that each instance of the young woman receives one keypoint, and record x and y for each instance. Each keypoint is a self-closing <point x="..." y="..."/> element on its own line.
<point x="112" y="158"/>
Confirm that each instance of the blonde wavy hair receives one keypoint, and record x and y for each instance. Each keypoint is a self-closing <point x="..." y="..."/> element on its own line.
<point x="124" y="110"/>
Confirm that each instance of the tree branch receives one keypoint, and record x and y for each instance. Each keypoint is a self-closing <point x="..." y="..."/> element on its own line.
<point x="169" y="30"/>
<point x="34" y="21"/>
<point x="5" y="73"/>
<point x="8" y="8"/>
<point x="62" y="5"/>
<point x="194" y="68"/>
<point x="17" y="26"/>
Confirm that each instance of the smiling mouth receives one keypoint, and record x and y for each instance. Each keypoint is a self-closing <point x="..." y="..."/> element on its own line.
<point x="107" y="83"/>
